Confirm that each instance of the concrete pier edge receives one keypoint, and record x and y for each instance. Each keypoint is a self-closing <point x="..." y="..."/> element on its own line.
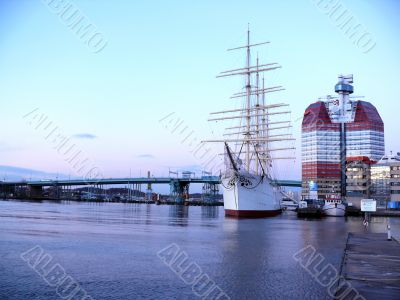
<point x="371" y="265"/>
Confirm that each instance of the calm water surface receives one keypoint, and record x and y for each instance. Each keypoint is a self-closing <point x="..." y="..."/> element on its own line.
<point x="111" y="249"/>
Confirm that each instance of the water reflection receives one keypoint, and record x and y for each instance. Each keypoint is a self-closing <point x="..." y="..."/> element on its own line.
<point x="178" y="215"/>
<point x="209" y="212"/>
<point x="246" y="258"/>
<point x="113" y="246"/>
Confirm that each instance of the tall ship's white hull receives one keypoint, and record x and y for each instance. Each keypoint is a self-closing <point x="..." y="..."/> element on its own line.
<point x="250" y="197"/>
<point x="334" y="209"/>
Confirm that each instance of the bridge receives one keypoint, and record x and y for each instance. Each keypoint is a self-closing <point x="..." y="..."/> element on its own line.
<point x="179" y="186"/>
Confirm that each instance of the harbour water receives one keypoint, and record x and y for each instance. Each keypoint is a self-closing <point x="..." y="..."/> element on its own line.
<point x="111" y="249"/>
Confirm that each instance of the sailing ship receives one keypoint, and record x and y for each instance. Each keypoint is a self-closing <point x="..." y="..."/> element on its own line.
<point x="250" y="147"/>
<point x="334" y="206"/>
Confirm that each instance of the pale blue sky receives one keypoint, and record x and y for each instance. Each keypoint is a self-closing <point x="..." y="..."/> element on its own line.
<point x="162" y="57"/>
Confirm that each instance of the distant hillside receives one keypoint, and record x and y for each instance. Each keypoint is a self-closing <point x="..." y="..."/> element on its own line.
<point x="16" y="173"/>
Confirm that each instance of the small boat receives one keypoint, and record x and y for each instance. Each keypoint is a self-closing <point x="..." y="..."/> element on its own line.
<point x="334" y="206"/>
<point x="310" y="208"/>
<point x="289" y="204"/>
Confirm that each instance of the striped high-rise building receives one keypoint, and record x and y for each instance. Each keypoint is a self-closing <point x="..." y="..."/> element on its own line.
<point x="333" y="130"/>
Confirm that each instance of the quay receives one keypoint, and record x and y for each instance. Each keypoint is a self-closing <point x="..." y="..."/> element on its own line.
<point x="386" y="213"/>
<point x="311" y="212"/>
<point x="371" y="266"/>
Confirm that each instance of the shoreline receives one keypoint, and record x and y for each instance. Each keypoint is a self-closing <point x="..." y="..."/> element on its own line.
<point x="379" y="213"/>
<point x="186" y="203"/>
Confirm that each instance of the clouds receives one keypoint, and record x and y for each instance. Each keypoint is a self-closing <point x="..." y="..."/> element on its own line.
<point x="87" y="136"/>
<point x="5" y="147"/>
<point x="146" y="156"/>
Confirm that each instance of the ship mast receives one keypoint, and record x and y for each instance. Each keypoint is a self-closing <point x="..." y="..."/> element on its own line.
<point x="255" y="134"/>
<point x="248" y="91"/>
<point x="258" y="117"/>
<point x="265" y="131"/>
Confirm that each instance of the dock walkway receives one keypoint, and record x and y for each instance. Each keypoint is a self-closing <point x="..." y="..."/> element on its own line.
<point x="371" y="265"/>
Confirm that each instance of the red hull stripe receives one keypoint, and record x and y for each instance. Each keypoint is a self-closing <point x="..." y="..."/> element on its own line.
<point x="251" y="213"/>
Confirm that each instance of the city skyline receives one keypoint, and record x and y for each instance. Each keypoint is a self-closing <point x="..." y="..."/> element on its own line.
<point x="155" y="61"/>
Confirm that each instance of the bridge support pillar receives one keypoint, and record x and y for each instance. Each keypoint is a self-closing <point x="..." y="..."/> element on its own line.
<point x="179" y="191"/>
<point x="149" y="191"/>
<point x="35" y="192"/>
<point x="210" y="192"/>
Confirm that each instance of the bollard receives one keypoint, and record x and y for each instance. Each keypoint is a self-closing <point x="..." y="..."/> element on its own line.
<point x="365" y="222"/>
<point x="389" y="233"/>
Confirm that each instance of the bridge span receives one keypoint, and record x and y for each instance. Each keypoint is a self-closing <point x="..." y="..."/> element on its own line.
<point x="179" y="186"/>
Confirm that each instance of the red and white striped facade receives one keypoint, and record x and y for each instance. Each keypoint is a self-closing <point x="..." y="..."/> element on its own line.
<point x="321" y="142"/>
